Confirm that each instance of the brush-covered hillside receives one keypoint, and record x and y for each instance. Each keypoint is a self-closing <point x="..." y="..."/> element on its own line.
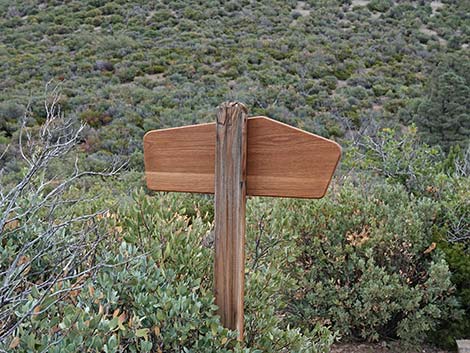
<point x="92" y="261"/>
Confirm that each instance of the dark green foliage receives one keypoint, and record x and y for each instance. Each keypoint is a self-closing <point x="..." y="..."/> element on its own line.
<point x="363" y="266"/>
<point x="457" y="255"/>
<point x="452" y="234"/>
<point x="443" y="116"/>
<point x="10" y="116"/>
<point x="401" y="159"/>
<point x="380" y="5"/>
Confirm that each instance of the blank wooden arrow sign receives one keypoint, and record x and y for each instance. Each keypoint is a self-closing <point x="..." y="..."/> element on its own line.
<point x="282" y="160"/>
<point x="234" y="157"/>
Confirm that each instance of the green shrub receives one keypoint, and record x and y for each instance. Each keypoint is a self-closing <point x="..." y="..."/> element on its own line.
<point x="127" y="74"/>
<point x="401" y="158"/>
<point x="155" y="294"/>
<point x="443" y="116"/>
<point x="10" y="116"/>
<point x="458" y="258"/>
<point x="50" y="232"/>
<point x="379" y="89"/>
<point x="330" y="82"/>
<point x="380" y="5"/>
<point x="95" y="119"/>
<point x="365" y="265"/>
<point x="427" y="176"/>
<point x="143" y="306"/>
<point x="451" y="232"/>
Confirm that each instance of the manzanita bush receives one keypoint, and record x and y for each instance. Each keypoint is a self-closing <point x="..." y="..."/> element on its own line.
<point x="154" y="294"/>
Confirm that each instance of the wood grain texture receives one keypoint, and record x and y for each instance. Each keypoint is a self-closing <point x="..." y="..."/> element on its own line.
<point x="288" y="162"/>
<point x="282" y="160"/>
<point x="230" y="201"/>
<point x="181" y="159"/>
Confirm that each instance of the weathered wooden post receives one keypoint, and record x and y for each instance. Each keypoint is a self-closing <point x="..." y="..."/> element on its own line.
<point x="234" y="157"/>
<point x="230" y="200"/>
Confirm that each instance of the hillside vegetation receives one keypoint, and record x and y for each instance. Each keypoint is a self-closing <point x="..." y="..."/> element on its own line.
<point x="325" y="66"/>
<point x="91" y="261"/>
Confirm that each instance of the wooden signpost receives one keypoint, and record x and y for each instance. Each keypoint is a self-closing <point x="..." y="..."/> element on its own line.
<point x="234" y="157"/>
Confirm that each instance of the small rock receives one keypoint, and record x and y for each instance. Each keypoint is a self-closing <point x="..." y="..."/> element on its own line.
<point x="463" y="346"/>
<point x="103" y="65"/>
<point x="209" y="239"/>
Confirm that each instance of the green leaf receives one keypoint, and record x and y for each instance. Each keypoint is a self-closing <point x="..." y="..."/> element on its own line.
<point x="34" y="292"/>
<point x="146" y="346"/>
<point x="143" y="332"/>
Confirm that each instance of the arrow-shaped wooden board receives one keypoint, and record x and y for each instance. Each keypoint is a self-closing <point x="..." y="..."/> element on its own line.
<point x="281" y="160"/>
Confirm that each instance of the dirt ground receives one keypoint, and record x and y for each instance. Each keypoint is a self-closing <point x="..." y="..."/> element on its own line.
<point x="380" y="348"/>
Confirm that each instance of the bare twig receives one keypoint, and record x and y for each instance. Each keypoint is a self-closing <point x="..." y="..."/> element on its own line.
<point x="51" y="245"/>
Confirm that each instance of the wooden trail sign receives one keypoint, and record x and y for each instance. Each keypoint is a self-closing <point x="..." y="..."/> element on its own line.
<point x="234" y="157"/>
<point x="281" y="160"/>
